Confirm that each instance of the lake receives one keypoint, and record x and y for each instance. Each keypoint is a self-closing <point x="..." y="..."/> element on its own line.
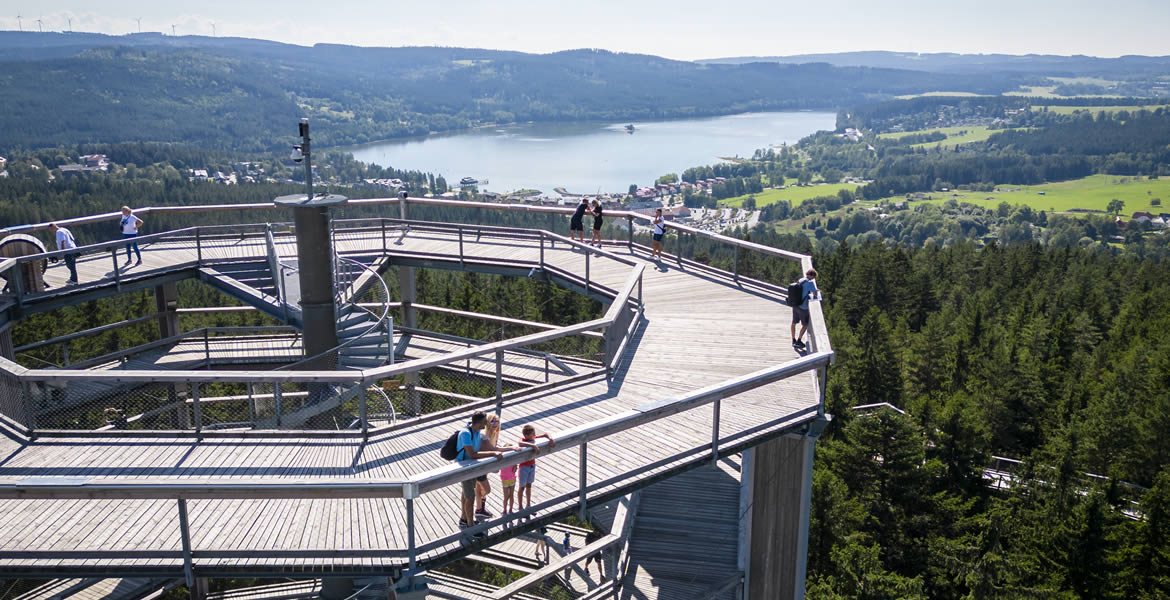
<point x="584" y="157"/>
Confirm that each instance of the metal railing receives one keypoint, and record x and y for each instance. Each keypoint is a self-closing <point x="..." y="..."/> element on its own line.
<point x="622" y="315"/>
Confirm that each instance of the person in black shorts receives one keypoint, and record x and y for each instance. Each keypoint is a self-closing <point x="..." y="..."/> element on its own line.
<point x="596" y="241"/>
<point x="577" y="224"/>
<point x="658" y="228"/>
<point x="594" y="535"/>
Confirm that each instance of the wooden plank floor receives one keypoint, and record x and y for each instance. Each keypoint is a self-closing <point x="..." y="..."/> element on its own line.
<point x="699" y="330"/>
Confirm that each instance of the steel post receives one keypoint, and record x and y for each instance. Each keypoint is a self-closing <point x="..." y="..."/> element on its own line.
<point x="363" y="414"/>
<point x="185" y="538"/>
<point x="460" y="229"/>
<point x="715" y="430"/>
<point x="199" y="247"/>
<point x="410" y="542"/>
<point x="581" y="468"/>
<point x="735" y="263"/>
<point x="587" y="254"/>
<point x="630" y="233"/>
<point x="196" y="408"/>
<point x="277" y="401"/>
<point x="499" y="382"/>
<point x="117" y="272"/>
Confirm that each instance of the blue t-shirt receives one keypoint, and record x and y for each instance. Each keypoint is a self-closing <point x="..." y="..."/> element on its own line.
<point x="467" y="437"/>
<point x="808" y="288"/>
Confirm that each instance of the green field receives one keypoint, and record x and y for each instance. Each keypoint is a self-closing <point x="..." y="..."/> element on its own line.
<point x="793" y="194"/>
<point x="1093" y="192"/>
<point x="955" y="135"/>
<point x="944" y="94"/>
<point x="1068" y="110"/>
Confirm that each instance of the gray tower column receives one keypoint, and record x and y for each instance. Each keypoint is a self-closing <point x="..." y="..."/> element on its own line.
<point x="314" y="259"/>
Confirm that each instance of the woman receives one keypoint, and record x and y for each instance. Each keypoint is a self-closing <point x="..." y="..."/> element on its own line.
<point x="482" y="487"/>
<point x="596" y="241"/>
<point x="130" y="224"/>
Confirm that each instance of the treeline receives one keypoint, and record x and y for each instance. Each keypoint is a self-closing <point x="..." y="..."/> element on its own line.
<point x="245" y="96"/>
<point x="924" y="111"/>
<point x="1077" y="148"/>
<point x="1019" y="352"/>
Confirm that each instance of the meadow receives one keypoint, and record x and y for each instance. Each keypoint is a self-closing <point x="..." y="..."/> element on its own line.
<point x="793" y="194"/>
<point x="955" y="135"/>
<point x="1068" y="110"/>
<point x="1093" y="192"/>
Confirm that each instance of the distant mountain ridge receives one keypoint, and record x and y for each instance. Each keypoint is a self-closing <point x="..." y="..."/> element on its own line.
<point x="971" y="63"/>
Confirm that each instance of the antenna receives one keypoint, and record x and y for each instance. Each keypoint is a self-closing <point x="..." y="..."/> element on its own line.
<point x="139" y="19"/>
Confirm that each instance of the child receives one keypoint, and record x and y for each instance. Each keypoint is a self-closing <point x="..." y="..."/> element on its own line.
<point x="508" y="482"/>
<point x="528" y="469"/>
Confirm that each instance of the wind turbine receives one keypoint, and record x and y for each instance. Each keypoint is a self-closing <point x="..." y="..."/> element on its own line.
<point x="70" y="25"/>
<point x="139" y="19"/>
<point x="213" y="30"/>
<point x="19" y="24"/>
<point x="172" y="30"/>
<point x="39" y="27"/>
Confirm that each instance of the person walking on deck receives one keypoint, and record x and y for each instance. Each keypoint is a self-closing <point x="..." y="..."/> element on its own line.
<point x="130" y="224"/>
<point x="65" y="241"/>
<point x="470" y="442"/>
<point x="808" y="290"/>
<point x="658" y="226"/>
<point x="577" y="223"/>
<point x="596" y="241"/>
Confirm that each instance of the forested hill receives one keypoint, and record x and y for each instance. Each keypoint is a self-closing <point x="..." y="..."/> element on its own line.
<point x="970" y="63"/>
<point x="242" y="94"/>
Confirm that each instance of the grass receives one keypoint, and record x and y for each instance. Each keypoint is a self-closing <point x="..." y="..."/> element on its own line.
<point x="1093" y="192"/>
<point x="955" y="135"/>
<point x="1068" y="110"/>
<point x="793" y="194"/>
<point x="959" y="94"/>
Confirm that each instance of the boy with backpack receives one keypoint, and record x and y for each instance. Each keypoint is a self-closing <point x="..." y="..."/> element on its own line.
<point x="799" y="294"/>
<point x="469" y="444"/>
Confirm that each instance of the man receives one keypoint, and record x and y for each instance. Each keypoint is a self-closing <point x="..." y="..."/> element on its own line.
<point x="65" y="241"/>
<point x="577" y="222"/>
<point x="659" y="229"/>
<point x="808" y="289"/>
<point x="470" y="442"/>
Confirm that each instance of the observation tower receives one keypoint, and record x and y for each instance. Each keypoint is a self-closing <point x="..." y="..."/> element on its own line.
<point x="304" y="451"/>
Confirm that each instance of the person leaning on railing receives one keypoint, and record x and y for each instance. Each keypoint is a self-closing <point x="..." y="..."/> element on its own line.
<point x="65" y="241"/>
<point x="469" y="443"/>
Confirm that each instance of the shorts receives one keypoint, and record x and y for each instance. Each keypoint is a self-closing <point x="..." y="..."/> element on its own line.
<point x="576" y="225"/>
<point x="658" y="237"/>
<point x="800" y="315"/>
<point x="507" y="483"/>
<point x="527" y="475"/>
<point x="469" y="489"/>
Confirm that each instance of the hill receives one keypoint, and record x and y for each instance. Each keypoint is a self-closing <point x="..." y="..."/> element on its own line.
<point x="242" y="94"/>
<point x="970" y="63"/>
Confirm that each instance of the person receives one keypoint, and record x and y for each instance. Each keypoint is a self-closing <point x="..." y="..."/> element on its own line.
<point x="482" y="487"/>
<point x="659" y="230"/>
<point x="472" y="446"/>
<point x="528" y="468"/>
<point x="542" y="545"/>
<point x="577" y="223"/>
<point x="808" y="289"/>
<point x="508" y="482"/>
<point x="594" y="535"/>
<point x="116" y="418"/>
<point x="596" y="241"/>
<point x="65" y="241"/>
<point x="130" y="224"/>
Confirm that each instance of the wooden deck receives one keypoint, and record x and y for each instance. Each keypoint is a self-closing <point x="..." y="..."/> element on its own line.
<point x="699" y="329"/>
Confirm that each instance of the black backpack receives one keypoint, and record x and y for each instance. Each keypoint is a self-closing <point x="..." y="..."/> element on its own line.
<point x="451" y="449"/>
<point x="795" y="293"/>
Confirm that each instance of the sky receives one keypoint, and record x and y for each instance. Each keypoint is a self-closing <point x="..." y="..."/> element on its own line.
<point x="679" y="29"/>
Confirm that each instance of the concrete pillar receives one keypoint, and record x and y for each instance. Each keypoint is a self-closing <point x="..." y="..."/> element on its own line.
<point x="166" y="302"/>
<point x="777" y="482"/>
<point x="315" y="264"/>
<point x="336" y="588"/>
<point x="408" y="292"/>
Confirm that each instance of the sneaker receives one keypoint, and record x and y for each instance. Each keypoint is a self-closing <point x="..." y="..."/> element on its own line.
<point x="463" y="524"/>
<point x="139" y="263"/>
<point x="69" y="282"/>
<point x="798" y="343"/>
<point x="484" y="512"/>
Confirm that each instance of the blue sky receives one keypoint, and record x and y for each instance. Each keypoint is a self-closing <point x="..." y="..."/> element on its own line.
<point x="682" y="29"/>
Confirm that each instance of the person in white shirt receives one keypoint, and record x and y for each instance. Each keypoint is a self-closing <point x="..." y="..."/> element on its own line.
<point x="65" y="241"/>
<point x="659" y="228"/>
<point x="130" y="224"/>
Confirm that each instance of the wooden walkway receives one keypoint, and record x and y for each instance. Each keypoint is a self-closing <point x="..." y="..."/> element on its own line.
<point x="700" y="329"/>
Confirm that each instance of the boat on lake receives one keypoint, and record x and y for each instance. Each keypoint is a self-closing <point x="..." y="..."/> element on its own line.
<point x="630" y="128"/>
<point x="468" y="181"/>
